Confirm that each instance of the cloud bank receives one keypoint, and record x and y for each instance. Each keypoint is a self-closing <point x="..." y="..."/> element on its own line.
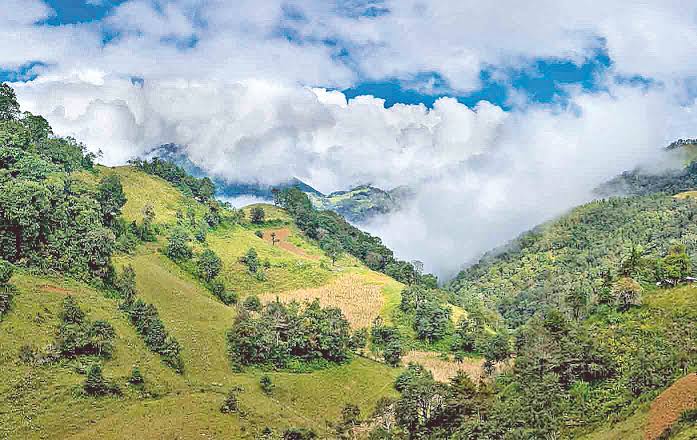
<point x="247" y="90"/>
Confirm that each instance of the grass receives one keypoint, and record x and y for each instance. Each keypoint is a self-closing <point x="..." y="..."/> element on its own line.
<point x="445" y="368"/>
<point x="42" y="401"/>
<point x="142" y="188"/>
<point x="631" y="428"/>
<point x="39" y="402"/>
<point x="359" y="299"/>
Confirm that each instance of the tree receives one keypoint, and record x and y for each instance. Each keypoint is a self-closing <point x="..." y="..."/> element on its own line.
<point x="9" y="107"/>
<point x="497" y="349"/>
<point x="231" y="403"/>
<point x="627" y="293"/>
<point x="257" y="215"/>
<point x="252" y="303"/>
<point x="676" y="265"/>
<point x="432" y="320"/>
<point x="146" y="232"/>
<point x="111" y="198"/>
<point x="178" y="245"/>
<point x="96" y="384"/>
<point x="102" y="335"/>
<point x="251" y="259"/>
<point x="209" y="265"/>
<point x="71" y="314"/>
<point x="126" y="284"/>
<point x="332" y="247"/>
<point x="266" y="384"/>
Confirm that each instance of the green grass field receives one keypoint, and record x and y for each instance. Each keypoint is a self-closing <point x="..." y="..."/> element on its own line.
<point x="45" y="401"/>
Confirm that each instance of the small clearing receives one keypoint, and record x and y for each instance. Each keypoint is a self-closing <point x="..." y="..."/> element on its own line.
<point x="360" y="301"/>
<point x="281" y="240"/>
<point x="443" y="369"/>
<point x="667" y="407"/>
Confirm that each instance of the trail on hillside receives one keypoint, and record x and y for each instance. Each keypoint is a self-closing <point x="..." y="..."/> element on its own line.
<point x="667" y="407"/>
<point x="282" y="242"/>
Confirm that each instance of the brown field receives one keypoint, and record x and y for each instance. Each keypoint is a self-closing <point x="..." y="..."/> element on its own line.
<point x="667" y="407"/>
<point x="444" y="370"/>
<point x="360" y="301"/>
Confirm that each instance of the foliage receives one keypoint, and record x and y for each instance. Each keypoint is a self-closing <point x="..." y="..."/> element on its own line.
<point x="320" y="224"/>
<point x="387" y="341"/>
<point x="209" y="265"/>
<point x="201" y="189"/>
<point x="281" y="333"/>
<point x="299" y="434"/>
<point x="266" y="384"/>
<point x="251" y="259"/>
<point x="232" y="401"/>
<point x="6" y="290"/>
<point x="126" y="284"/>
<point x="136" y="378"/>
<point x="252" y="303"/>
<point x="77" y="336"/>
<point x="149" y="325"/>
<point x="627" y="293"/>
<point x="332" y="247"/>
<point x="48" y="219"/>
<point x="97" y="385"/>
<point x="178" y="248"/>
<point x="111" y="198"/>
<point x="257" y="215"/>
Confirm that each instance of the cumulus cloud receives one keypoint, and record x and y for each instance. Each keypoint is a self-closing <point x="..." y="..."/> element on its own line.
<point x="247" y="89"/>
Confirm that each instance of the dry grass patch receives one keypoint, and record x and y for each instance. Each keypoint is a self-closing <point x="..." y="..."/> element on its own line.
<point x="360" y="302"/>
<point x="443" y="370"/>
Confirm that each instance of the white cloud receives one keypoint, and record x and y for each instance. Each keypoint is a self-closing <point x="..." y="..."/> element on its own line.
<point x="248" y="99"/>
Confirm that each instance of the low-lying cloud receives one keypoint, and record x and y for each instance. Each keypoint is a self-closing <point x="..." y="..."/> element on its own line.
<point x="481" y="175"/>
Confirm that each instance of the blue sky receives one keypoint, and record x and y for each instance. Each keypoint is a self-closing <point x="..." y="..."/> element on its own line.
<point x="540" y="80"/>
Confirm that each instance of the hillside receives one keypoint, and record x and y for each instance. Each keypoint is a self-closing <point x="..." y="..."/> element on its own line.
<point x="186" y="405"/>
<point x="357" y="205"/>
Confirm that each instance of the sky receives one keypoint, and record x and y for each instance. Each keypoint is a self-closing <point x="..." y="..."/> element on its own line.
<point x="499" y="115"/>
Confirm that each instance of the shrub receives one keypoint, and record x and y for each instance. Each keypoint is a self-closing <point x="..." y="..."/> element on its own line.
<point x="266" y="384"/>
<point x="259" y="233"/>
<point x="257" y="215"/>
<point x="178" y="248"/>
<point x="209" y="265"/>
<point x="136" y="377"/>
<point x="71" y="314"/>
<point x="252" y="303"/>
<point x="251" y="259"/>
<point x="6" y="272"/>
<point x="97" y="385"/>
<point x="231" y="403"/>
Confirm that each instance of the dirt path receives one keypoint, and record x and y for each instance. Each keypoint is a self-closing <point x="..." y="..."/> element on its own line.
<point x="283" y="243"/>
<point x="667" y="407"/>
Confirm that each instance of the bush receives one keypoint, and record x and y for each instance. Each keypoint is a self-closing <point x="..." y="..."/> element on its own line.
<point x="266" y="384"/>
<point x="178" y="248"/>
<point x="231" y="403"/>
<point x="136" y="377"/>
<point x="257" y="215"/>
<point x="6" y="272"/>
<point x="209" y="265"/>
<point x="97" y="385"/>
<point x="251" y="259"/>
<point x="259" y="233"/>
<point x="149" y="325"/>
<point x="252" y="303"/>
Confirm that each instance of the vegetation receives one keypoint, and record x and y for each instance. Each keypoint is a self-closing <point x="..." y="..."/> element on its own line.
<point x="201" y="189"/>
<point x="280" y="335"/>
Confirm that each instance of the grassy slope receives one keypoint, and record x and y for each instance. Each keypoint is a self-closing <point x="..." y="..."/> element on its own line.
<point x="659" y="306"/>
<point x="39" y="402"/>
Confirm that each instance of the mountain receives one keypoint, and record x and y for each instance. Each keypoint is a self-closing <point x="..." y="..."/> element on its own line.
<point x="363" y="202"/>
<point x="358" y="205"/>
<point x="133" y="304"/>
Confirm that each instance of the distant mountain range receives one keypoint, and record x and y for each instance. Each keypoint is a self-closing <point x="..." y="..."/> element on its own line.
<point x="357" y="205"/>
